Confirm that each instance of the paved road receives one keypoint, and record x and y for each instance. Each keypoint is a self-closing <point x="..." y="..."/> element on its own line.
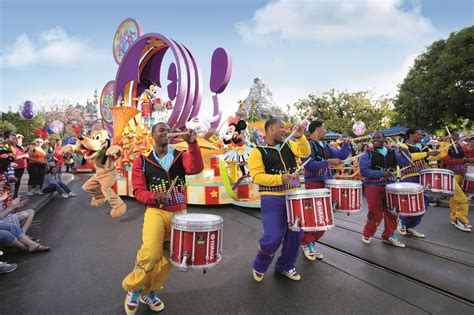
<point x="91" y="253"/>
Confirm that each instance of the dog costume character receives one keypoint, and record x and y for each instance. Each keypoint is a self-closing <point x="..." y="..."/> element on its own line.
<point x="96" y="147"/>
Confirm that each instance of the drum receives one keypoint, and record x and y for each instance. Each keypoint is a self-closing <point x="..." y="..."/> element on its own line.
<point x="405" y="198"/>
<point x="437" y="181"/>
<point x="309" y="210"/>
<point x="196" y="241"/>
<point x="346" y="194"/>
<point x="468" y="184"/>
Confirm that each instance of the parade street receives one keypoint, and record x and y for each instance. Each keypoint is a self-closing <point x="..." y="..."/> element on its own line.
<point x="92" y="252"/>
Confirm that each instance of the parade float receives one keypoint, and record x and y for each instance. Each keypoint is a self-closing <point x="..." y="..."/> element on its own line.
<point x="159" y="79"/>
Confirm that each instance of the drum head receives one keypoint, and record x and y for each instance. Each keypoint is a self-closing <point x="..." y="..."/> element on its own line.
<point x="197" y="221"/>
<point x="436" y="171"/>
<point x="308" y="193"/>
<point x="407" y="188"/>
<point x="342" y="183"/>
<point x="469" y="176"/>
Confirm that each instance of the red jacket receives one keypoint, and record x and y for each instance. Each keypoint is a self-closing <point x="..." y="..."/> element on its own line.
<point x="191" y="162"/>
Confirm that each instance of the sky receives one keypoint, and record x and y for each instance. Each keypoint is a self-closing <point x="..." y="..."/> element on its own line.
<point x="54" y="50"/>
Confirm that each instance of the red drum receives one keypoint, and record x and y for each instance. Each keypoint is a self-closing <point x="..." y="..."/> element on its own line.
<point x="346" y="194"/>
<point x="147" y="109"/>
<point x="196" y="241"/>
<point x="405" y="198"/>
<point x="438" y="181"/>
<point x="468" y="184"/>
<point x="309" y="210"/>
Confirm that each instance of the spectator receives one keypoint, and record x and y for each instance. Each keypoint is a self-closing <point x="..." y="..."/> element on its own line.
<point x="53" y="183"/>
<point x="69" y="161"/>
<point x="13" y="236"/>
<point x="36" y="168"/>
<point x="19" y="155"/>
<point x="21" y="219"/>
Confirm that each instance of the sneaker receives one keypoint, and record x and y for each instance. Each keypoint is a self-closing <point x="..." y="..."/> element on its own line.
<point x="317" y="253"/>
<point x="292" y="275"/>
<point x="432" y="204"/>
<point x="6" y="267"/>
<point x="258" y="276"/>
<point x="402" y="229"/>
<point x="393" y="241"/>
<point x="415" y="233"/>
<point x="131" y="302"/>
<point x="153" y="302"/>
<point x="366" y="239"/>
<point x="38" y="192"/>
<point x="308" y="251"/>
<point x="30" y="193"/>
<point x="64" y="196"/>
<point x="71" y="194"/>
<point x="461" y="226"/>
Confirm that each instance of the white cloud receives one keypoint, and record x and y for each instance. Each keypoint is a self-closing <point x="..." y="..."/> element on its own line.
<point x="54" y="47"/>
<point x="335" y="20"/>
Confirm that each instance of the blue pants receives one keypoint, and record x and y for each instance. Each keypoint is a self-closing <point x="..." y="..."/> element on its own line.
<point x="9" y="233"/>
<point x="61" y="188"/>
<point x="276" y="232"/>
<point x="412" y="221"/>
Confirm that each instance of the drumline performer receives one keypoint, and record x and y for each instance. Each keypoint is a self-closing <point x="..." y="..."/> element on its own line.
<point x="418" y="155"/>
<point x="152" y="178"/>
<point x="272" y="167"/>
<point x="455" y="160"/>
<point x="316" y="172"/>
<point x="377" y="167"/>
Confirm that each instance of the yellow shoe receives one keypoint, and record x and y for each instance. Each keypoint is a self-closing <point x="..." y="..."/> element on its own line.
<point x="292" y="275"/>
<point x="366" y="239"/>
<point x="153" y="302"/>
<point x="131" y="302"/>
<point x="308" y="252"/>
<point x="258" y="276"/>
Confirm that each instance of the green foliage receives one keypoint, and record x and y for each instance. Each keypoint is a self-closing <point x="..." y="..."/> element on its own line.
<point x="23" y="126"/>
<point x="340" y="110"/>
<point x="439" y="90"/>
<point x="6" y="125"/>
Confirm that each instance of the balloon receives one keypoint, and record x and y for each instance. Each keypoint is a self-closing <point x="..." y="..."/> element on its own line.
<point x="27" y="110"/>
<point x="359" y="128"/>
<point x="56" y="126"/>
<point x="49" y="131"/>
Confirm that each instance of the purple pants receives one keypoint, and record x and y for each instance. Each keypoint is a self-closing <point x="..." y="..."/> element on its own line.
<point x="276" y="232"/>
<point x="412" y="221"/>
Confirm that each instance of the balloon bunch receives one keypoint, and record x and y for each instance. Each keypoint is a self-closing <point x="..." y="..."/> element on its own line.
<point x="27" y="110"/>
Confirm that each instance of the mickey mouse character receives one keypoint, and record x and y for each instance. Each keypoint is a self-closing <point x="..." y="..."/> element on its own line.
<point x="238" y="152"/>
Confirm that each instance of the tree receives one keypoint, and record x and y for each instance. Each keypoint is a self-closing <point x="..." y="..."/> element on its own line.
<point x="439" y="89"/>
<point x="340" y="110"/>
<point x="23" y="126"/>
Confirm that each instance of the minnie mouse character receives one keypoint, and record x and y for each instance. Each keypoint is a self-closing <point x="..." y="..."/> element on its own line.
<point x="238" y="151"/>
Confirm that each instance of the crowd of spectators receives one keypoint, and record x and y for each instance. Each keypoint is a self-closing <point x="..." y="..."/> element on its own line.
<point x="44" y="163"/>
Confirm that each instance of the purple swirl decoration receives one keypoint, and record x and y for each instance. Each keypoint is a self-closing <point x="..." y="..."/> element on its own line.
<point x="143" y="60"/>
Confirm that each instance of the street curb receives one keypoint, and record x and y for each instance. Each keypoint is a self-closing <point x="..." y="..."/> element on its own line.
<point x="43" y="200"/>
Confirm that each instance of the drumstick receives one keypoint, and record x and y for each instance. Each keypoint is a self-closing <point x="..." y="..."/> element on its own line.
<point x="168" y="193"/>
<point x="356" y="156"/>
<point x="293" y="132"/>
<point x="172" y="186"/>
<point x="301" y="166"/>
<point x="452" y="141"/>
<point x="177" y="134"/>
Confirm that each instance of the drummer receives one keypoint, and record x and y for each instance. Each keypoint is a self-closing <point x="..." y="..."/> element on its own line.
<point x="272" y="167"/>
<point x="419" y="155"/>
<point x="323" y="156"/>
<point x="151" y="179"/>
<point x="377" y="167"/>
<point x="455" y="160"/>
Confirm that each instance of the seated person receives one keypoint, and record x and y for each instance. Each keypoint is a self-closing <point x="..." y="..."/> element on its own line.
<point x="52" y="182"/>
<point x="13" y="236"/>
